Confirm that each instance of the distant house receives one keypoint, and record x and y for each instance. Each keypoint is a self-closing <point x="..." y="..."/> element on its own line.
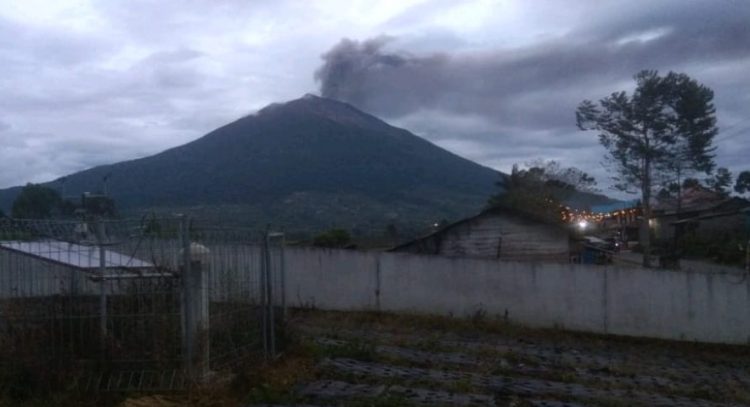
<point x="620" y="218"/>
<point x="729" y="218"/>
<point x="498" y="233"/>
<point x="702" y="213"/>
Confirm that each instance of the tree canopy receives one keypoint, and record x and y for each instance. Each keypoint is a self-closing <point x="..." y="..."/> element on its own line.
<point x="333" y="238"/>
<point x="36" y="202"/>
<point x="690" y="183"/>
<point x="655" y="136"/>
<point x="540" y="189"/>
<point x="721" y="182"/>
<point x="742" y="185"/>
<point x="567" y="178"/>
<point x="692" y="122"/>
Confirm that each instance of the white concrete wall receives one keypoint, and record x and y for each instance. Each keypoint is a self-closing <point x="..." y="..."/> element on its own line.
<point x="705" y="266"/>
<point x="331" y="279"/>
<point x="697" y="306"/>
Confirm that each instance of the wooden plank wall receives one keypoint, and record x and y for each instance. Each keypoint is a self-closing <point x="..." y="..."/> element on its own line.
<point x="498" y="236"/>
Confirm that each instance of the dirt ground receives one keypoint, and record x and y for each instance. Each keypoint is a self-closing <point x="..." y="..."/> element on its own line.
<point x="369" y="359"/>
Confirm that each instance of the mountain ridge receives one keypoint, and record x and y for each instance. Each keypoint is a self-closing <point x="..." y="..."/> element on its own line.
<point x="312" y="145"/>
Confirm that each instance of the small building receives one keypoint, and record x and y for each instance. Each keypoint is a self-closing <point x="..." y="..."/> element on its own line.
<point x="730" y="219"/>
<point x="703" y="213"/>
<point x="48" y="267"/>
<point x="620" y="219"/>
<point x="497" y="233"/>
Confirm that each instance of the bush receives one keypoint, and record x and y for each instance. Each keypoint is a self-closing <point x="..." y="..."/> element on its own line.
<point x="335" y="238"/>
<point x="726" y="249"/>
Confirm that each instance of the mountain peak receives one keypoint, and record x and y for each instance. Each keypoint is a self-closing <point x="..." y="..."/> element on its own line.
<point x="311" y="105"/>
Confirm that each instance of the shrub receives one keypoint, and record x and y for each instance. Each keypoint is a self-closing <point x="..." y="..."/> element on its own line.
<point x="333" y="238"/>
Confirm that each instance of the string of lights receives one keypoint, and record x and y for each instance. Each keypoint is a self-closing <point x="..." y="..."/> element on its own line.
<point x="571" y="215"/>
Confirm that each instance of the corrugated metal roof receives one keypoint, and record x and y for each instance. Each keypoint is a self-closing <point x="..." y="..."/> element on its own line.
<point x="73" y="255"/>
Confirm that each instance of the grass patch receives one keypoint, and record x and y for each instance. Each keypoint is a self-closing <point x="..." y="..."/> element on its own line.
<point x="481" y="323"/>
<point x="630" y="357"/>
<point x="358" y="349"/>
<point x="386" y="400"/>
<point x="274" y="382"/>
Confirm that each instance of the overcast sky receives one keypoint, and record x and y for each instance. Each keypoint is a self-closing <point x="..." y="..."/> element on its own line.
<point x="84" y="83"/>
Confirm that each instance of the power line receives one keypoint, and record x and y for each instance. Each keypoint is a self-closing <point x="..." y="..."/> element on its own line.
<point x="734" y="134"/>
<point x="733" y="125"/>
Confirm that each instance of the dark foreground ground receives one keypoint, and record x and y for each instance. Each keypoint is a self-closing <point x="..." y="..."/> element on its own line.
<point x="366" y="359"/>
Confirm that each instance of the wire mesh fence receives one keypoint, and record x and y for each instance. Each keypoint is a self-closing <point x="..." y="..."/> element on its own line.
<point x="155" y="303"/>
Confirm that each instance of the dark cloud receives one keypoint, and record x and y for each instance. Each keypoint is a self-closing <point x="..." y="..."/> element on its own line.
<point x="88" y="83"/>
<point x="366" y="73"/>
<point x="526" y="96"/>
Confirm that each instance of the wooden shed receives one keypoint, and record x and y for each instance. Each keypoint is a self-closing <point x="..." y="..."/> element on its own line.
<point x="499" y="233"/>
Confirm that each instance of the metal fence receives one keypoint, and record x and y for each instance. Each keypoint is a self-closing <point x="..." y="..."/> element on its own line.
<point x="148" y="304"/>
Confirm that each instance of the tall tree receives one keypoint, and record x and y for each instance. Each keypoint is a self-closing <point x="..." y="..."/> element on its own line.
<point x="36" y="202"/>
<point x="692" y="121"/>
<point x="645" y="132"/>
<point x="742" y="185"/>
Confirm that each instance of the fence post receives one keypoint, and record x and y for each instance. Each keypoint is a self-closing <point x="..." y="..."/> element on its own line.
<point x="269" y="284"/>
<point x="194" y="304"/>
<point x="282" y="271"/>
<point x="275" y="240"/>
<point x="263" y="295"/>
<point x="100" y="233"/>
<point x="200" y="302"/>
<point x="187" y="325"/>
<point x="266" y="296"/>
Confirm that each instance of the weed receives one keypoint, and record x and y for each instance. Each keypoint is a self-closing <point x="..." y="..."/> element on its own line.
<point x="385" y="400"/>
<point x="431" y="344"/>
<point x="479" y="317"/>
<point x="355" y="349"/>
<point x="463" y="385"/>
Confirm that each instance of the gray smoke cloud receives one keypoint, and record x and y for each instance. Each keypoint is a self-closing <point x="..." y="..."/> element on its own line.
<point x="396" y="83"/>
<point x="89" y="83"/>
<point x="526" y="96"/>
